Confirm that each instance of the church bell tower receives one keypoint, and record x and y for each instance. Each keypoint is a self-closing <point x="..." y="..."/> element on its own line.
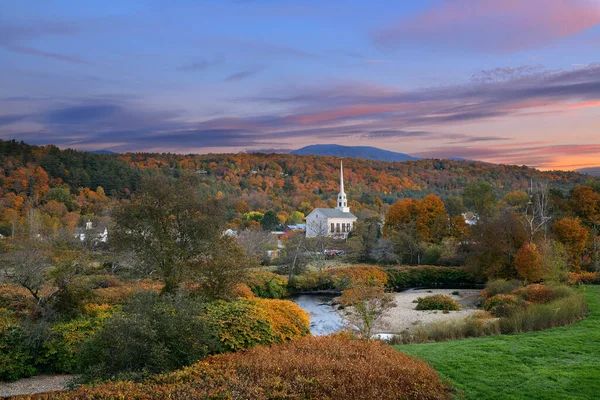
<point x="342" y="201"/>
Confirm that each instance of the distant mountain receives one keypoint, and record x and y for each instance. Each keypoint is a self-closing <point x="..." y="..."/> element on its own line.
<point x="364" y="152"/>
<point x="102" y="152"/>
<point x="594" y="171"/>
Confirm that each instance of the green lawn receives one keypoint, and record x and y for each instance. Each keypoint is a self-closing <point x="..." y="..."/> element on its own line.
<point x="559" y="363"/>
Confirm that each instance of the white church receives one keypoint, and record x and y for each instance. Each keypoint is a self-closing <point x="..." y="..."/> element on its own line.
<point x="334" y="222"/>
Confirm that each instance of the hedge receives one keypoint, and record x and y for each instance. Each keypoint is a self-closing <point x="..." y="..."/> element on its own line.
<point x="402" y="278"/>
<point x="308" y="368"/>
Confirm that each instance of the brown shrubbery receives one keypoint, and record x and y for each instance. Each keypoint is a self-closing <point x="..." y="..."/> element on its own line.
<point x="584" y="278"/>
<point x="312" y="367"/>
<point x="437" y="302"/>
<point x="340" y="278"/>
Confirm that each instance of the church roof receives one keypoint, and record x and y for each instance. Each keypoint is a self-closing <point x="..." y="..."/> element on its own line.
<point x="334" y="213"/>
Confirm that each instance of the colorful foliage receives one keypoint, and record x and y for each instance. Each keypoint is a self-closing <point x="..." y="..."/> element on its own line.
<point x="246" y="323"/>
<point x="437" y="302"/>
<point x="529" y="263"/>
<point x="312" y="367"/>
<point x="584" y="278"/>
<point x="502" y="305"/>
<point x="267" y="284"/>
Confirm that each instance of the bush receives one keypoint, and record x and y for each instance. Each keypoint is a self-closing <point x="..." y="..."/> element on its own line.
<point x="500" y="286"/>
<point x="267" y="285"/>
<point x="16" y="360"/>
<point x="15" y="298"/>
<point x="309" y="368"/>
<point x="584" y="278"/>
<point x="245" y="323"/>
<point x="437" y="302"/>
<point x="401" y="278"/>
<point x="502" y="305"/>
<point x="152" y="334"/>
<point x="61" y="349"/>
<point x="339" y="279"/>
<point x="242" y="291"/>
<point x="118" y="293"/>
<point x="542" y="294"/>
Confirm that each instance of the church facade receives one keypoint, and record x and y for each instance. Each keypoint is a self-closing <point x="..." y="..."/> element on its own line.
<point x="335" y="222"/>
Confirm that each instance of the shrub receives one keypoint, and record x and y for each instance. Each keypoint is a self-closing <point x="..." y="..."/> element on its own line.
<point x="245" y="323"/>
<point x="61" y="349"/>
<point x="151" y="334"/>
<point x="340" y="279"/>
<point x="346" y="277"/>
<point x="437" y="302"/>
<point x="401" y="278"/>
<point x="502" y="305"/>
<point x="121" y="292"/>
<point x="584" y="278"/>
<point x="16" y="360"/>
<point x="267" y="284"/>
<point x="15" y="298"/>
<point x="500" y="286"/>
<point x="542" y="294"/>
<point x="242" y="291"/>
<point x="309" y="368"/>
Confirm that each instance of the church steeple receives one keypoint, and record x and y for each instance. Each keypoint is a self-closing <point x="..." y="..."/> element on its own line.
<point x="342" y="201"/>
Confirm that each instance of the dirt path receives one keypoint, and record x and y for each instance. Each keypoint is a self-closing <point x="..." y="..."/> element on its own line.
<point x="404" y="315"/>
<point x="35" y="384"/>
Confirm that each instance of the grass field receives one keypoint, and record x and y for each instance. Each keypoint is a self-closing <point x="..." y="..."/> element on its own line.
<point x="559" y="363"/>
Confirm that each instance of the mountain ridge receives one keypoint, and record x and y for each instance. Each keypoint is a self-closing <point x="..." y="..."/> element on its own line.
<point x="364" y="152"/>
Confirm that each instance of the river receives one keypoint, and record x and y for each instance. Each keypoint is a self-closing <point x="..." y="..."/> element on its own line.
<point x="324" y="319"/>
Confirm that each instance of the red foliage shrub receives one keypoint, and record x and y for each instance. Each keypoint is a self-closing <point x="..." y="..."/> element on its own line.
<point x="346" y="277"/>
<point x="312" y="367"/>
<point x="542" y="294"/>
<point x="15" y="298"/>
<point x="242" y="291"/>
<point x="583" y="278"/>
<point x="118" y="293"/>
<point x="502" y="305"/>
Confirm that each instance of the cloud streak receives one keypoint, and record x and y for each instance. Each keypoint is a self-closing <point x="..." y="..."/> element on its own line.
<point x="492" y="25"/>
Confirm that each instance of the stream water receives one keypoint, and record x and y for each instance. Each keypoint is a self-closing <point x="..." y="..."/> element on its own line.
<point x="324" y="319"/>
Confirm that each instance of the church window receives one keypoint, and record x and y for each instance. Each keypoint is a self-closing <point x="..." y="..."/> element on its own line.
<point x="343" y="227"/>
<point x="332" y="227"/>
<point x="340" y="204"/>
<point x="337" y="227"/>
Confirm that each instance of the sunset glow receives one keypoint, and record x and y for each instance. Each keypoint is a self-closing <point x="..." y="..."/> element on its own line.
<point x="502" y="81"/>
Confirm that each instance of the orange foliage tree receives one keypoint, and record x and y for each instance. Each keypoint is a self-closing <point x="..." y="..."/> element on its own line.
<point x="529" y="263"/>
<point x="574" y="236"/>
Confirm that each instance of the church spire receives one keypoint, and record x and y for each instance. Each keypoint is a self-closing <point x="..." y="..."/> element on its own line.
<point x="341" y="177"/>
<point x="342" y="201"/>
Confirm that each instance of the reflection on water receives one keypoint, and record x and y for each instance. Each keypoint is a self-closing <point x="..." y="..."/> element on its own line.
<point x="324" y="319"/>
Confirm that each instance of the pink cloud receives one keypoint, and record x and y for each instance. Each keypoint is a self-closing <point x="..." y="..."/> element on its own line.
<point x="494" y="25"/>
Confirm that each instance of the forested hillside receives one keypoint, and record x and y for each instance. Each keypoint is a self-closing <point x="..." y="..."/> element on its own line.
<point x="82" y="183"/>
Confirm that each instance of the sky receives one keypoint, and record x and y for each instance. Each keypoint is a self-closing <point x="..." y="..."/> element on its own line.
<point x="503" y="81"/>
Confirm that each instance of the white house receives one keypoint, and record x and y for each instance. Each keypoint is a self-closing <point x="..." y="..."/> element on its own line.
<point x="335" y="222"/>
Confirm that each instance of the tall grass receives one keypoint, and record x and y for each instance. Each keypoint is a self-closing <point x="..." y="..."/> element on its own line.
<point x="532" y="317"/>
<point x="536" y="317"/>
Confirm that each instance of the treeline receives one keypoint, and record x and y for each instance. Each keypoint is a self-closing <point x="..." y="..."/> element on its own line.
<point x="57" y="182"/>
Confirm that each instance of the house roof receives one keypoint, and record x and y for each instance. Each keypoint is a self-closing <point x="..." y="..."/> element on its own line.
<point x="334" y="213"/>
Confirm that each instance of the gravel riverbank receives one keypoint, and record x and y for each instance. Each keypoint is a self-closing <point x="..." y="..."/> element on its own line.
<point x="35" y="384"/>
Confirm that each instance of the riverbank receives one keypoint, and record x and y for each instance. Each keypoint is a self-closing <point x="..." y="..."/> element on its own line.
<point x="404" y="315"/>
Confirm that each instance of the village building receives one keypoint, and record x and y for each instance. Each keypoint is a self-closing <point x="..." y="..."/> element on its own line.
<point x="335" y="222"/>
